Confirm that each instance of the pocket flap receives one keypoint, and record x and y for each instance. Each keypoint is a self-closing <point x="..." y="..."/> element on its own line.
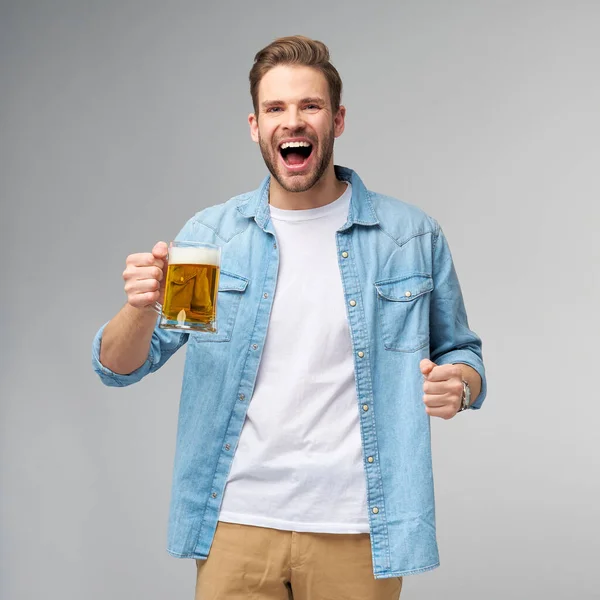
<point x="228" y="282"/>
<point x="179" y="276"/>
<point x="405" y="288"/>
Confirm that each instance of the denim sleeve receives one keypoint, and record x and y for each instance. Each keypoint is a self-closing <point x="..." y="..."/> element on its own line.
<point x="163" y="345"/>
<point x="451" y="339"/>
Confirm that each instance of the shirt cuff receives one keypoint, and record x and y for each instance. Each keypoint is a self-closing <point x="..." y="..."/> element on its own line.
<point x="466" y="357"/>
<point x="111" y="378"/>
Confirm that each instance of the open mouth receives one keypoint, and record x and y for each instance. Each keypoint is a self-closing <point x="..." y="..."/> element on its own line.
<point x="295" y="154"/>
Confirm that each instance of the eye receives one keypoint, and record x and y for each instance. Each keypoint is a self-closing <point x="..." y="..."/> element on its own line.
<point x="312" y="107"/>
<point x="273" y="109"/>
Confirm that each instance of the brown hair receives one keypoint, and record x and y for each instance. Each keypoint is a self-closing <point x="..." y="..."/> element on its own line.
<point x="296" y="50"/>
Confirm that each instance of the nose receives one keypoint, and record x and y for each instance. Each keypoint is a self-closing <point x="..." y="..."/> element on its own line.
<point x="293" y="119"/>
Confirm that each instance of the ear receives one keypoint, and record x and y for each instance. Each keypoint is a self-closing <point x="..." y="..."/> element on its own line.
<point x="253" y="122"/>
<point x="339" y="121"/>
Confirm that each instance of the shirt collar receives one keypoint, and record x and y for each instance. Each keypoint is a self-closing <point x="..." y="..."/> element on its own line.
<point x="256" y="204"/>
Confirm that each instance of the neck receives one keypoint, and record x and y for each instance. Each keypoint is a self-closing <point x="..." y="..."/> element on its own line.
<point x="325" y="191"/>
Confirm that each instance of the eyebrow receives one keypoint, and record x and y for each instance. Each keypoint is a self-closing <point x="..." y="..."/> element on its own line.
<point x="312" y="99"/>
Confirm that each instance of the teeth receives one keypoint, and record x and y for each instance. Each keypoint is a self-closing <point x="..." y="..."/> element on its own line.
<point x="295" y="145"/>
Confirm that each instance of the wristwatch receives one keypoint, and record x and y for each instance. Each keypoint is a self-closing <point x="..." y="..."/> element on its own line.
<point x="466" y="397"/>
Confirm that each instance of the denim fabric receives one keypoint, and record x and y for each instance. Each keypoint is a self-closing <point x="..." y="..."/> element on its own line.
<point x="395" y="263"/>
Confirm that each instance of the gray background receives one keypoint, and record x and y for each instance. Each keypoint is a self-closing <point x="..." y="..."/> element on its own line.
<point x="119" y="120"/>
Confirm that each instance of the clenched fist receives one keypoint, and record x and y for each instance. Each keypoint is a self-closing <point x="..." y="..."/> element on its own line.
<point x="443" y="389"/>
<point x="144" y="276"/>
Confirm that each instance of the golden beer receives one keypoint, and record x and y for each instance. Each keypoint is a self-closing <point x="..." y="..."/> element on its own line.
<point x="191" y="287"/>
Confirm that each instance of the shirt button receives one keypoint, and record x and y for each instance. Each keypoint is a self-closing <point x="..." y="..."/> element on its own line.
<point x="365" y="407"/>
<point x="344" y="255"/>
<point x="214" y="494"/>
<point x="275" y="246"/>
<point x="265" y="295"/>
<point x="254" y="346"/>
<point x="352" y="302"/>
<point x="227" y="447"/>
<point x="242" y="397"/>
<point x="375" y="510"/>
<point x="407" y="294"/>
<point x="370" y="459"/>
<point x="361" y="354"/>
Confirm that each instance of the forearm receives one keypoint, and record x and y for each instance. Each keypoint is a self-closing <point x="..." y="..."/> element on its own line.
<point x="472" y="377"/>
<point x="126" y="339"/>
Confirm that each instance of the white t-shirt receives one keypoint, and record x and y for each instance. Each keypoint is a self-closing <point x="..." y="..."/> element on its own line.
<point x="298" y="465"/>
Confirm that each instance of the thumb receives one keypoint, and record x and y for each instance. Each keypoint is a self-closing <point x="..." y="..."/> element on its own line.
<point x="160" y="250"/>
<point x="426" y="366"/>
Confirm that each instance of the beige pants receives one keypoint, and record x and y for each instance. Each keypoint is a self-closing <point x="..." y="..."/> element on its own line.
<point x="268" y="564"/>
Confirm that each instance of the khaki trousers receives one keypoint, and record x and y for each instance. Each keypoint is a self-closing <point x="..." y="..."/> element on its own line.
<point x="268" y="564"/>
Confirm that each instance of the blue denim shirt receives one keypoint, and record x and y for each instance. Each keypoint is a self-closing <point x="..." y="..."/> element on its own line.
<point x="395" y="263"/>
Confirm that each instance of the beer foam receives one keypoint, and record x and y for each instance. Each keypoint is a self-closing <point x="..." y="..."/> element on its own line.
<point x="188" y="255"/>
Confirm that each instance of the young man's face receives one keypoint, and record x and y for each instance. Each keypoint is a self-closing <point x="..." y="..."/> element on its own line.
<point x="294" y="108"/>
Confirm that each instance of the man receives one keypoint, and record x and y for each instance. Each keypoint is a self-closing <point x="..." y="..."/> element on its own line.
<point x="303" y="462"/>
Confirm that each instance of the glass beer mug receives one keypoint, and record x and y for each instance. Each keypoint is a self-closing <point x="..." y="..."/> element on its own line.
<point x="191" y="286"/>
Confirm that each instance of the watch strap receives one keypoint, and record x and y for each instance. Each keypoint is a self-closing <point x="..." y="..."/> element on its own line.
<point x="466" y="397"/>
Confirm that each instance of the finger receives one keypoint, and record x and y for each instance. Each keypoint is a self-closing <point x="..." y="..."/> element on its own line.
<point x="141" y="286"/>
<point x="140" y="273"/>
<point x="443" y="413"/>
<point x="144" y="259"/>
<point x="426" y="366"/>
<point x="440" y="401"/>
<point x="152" y="272"/>
<point x="160" y="250"/>
<point x="432" y="403"/>
<point x="445" y="373"/>
<point x="453" y="388"/>
<point x="143" y="300"/>
<point x="437" y="387"/>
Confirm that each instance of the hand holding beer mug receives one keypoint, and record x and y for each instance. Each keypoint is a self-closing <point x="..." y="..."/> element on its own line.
<point x="188" y="289"/>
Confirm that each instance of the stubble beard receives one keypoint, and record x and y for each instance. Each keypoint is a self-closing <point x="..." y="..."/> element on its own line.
<point x="304" y="182"/>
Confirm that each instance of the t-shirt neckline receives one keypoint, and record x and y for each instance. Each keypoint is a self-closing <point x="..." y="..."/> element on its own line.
<point x="308" y="214"/>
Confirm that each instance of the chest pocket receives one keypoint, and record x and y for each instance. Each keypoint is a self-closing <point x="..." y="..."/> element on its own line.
<point x="403" y="304"/>
<point x="229" y="296"/>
